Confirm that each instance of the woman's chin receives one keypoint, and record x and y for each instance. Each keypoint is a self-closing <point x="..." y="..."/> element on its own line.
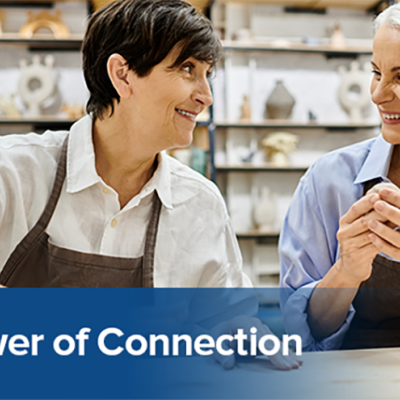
<point x="391" y="133"/>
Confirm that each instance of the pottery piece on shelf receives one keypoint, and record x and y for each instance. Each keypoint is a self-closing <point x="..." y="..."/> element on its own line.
<point x="45" y="20"/>
<point x="242" y="35"/>
<point x="73" y="111"/>
<point x="280" y="103"/>
<point x="338" y="41"/>
<point x="245" y="110"/>
<point x="265" y="211"/>
<point x="43" y="76"/>
<point x="277" y="147"/>
<point x="353" y="91"/>
<point x="312" y="118"/>
<point x="2" y="18"/>
<point x="7" y="106"/>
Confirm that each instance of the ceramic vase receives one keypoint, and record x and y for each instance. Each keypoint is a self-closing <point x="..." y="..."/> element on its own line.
<point x="353" y="91"/>
<point x="245" y="110"/>
<point x="280" y="103"/>
<point x="338" y="41"/>
<point x="265" y="211"/>
<point x="42" y="73"/>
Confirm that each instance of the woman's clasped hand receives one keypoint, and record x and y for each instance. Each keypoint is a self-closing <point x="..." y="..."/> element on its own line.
<point x="385" y="236"/>
<point x="363" y="232"/>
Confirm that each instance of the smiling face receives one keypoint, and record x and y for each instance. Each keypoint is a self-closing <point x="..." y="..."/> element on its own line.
<point x="165" y="103"/>
<point x="385" y="86"/>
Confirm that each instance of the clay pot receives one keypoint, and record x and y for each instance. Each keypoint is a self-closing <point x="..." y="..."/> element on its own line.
<point x="280" y="103"/>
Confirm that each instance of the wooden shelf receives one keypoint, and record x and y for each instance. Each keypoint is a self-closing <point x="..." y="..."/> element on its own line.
<point x="43" y="42"/>
<point x="315" y="4"/>
<point x="287" y="124"/>
<point x="329" y="51"/>
<point x="37" y="2"/>
<point x="274" y="236"/>
<point x="256" y="168"/>
<point x="40" y="124"/>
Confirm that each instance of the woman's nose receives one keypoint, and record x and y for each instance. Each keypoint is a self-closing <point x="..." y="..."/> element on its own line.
<point x="203" y="94"/>
<point x="382" y="92"/>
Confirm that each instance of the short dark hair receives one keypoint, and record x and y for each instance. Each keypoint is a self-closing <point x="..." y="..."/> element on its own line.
<point x="143" y="32"/>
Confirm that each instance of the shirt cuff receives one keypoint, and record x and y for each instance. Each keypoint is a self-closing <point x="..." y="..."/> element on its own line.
<point x="296" y="321"/>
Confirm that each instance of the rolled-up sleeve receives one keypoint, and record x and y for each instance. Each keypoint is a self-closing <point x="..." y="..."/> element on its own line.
<point x="308" y="249"/>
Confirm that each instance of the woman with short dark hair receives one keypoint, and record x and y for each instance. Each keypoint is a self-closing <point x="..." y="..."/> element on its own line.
<point x="119" y="212"/>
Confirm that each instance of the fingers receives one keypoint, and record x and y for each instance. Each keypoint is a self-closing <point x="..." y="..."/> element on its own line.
<point x="387" y="234"/>
<point x="281" y="362"/>
<point x="355" y="243"/>
<point x="388" y="211"/>
<point x="390" y="196"/>
<point x="359" y="226"/>
<point x="359" y="208"/>
<point x="385" y="247"/>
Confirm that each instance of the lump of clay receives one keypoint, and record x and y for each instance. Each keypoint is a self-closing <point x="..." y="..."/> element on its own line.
<point x="383" y="185"/>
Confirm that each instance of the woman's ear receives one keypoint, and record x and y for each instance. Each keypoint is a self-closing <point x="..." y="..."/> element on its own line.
<point x="118" y="71"/>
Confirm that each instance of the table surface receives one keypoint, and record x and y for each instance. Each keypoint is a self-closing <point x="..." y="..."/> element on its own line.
<point x="355" y="374"/>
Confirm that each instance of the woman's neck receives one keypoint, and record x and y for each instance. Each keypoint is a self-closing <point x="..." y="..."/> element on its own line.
<point x="121" y="158"/>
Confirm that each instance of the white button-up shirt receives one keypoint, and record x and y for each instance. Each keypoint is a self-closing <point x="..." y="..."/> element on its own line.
<point x="196" y="245"/>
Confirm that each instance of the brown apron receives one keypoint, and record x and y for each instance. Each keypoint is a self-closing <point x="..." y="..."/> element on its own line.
<point x="377" y="304"/>
<point x="36" y="262"/>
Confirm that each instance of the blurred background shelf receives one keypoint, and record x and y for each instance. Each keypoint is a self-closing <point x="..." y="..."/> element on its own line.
<point x="43" y="42"/>
<point x="40" y="124"/>
<point x="257" y="235"/>
<point x="296" y="48"/>
<point x="256" y="168"/>
<point x="35" y="3"/>
<point x="285" y="124"/>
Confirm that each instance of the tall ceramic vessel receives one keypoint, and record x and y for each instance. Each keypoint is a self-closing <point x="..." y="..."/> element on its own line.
<point x="265" y="211"/>
<point x="280" y="103"/>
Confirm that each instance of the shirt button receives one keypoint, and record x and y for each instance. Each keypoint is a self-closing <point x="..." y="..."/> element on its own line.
<point x="114" y="223"/>
<point x="106" y="190"/>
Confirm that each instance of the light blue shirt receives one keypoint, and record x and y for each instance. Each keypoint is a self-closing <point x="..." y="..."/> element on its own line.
<point x="308" y="245"/>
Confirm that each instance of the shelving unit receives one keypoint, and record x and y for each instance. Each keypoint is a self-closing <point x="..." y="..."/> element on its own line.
<point x="267" y="44"/>
<point x="271" y="237"/>
<point x="285" y="124"/>
<point x="40" y="124"/>
<point x="256" y="168"/>
<point x="328" y="51"/>
<point x="43" y="42"/>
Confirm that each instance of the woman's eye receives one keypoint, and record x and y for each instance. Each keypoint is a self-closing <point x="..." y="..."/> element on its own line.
<point x="375" y="72"/>
<point x="188" y="68"/>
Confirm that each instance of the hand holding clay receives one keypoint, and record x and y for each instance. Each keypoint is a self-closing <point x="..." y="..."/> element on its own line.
<point x="383" y="185"/>
<point x="357" y="251"/>
<point x="384" y="237"/>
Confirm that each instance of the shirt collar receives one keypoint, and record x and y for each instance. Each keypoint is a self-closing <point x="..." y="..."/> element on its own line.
<point x="377" y="163"/>
<point x="81" y="168"/>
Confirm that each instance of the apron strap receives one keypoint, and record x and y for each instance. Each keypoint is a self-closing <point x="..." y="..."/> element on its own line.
<point x="36" y="232"/>
<point x="150" y="243"/>
<point x="370" y="184"/>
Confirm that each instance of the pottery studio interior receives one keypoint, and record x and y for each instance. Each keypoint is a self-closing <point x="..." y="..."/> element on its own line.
<point x="292" y="84"/>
